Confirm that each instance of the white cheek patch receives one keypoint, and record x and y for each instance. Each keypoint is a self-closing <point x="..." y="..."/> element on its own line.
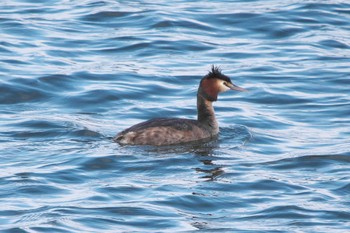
<point x="223" y="87"/>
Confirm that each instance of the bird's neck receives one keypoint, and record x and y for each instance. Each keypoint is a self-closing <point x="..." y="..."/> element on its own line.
<point x="206" y="114"/>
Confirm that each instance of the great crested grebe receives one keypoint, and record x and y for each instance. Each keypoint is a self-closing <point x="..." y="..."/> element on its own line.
<point x="168" y="131"/>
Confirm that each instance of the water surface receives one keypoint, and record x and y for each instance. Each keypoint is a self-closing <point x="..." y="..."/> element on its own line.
<point x="74" y="73"/>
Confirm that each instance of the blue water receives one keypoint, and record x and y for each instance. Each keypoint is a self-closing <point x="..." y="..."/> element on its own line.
<point x="74" y="73"/>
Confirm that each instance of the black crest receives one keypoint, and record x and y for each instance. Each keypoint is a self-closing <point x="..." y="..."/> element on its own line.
<point x="216" y="73"/>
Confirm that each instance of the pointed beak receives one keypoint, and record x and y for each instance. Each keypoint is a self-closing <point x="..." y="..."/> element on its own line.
<point x="234" y="87"/>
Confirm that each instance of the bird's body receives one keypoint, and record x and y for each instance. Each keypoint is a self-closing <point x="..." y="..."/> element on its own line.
<point x="168" y="131"/>
<point x="163" y="131"/>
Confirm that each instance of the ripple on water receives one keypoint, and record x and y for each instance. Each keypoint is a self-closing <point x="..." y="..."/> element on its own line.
<point x="73" y="74"/>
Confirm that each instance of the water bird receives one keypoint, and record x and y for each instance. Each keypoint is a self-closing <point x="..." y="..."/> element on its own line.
<point x="169" y="131"/>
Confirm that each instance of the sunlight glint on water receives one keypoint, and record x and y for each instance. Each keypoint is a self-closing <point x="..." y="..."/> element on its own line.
<point x="73" y="74"/>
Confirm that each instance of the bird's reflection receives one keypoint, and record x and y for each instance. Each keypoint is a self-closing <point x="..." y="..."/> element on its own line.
<point x="204" y="151"/>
